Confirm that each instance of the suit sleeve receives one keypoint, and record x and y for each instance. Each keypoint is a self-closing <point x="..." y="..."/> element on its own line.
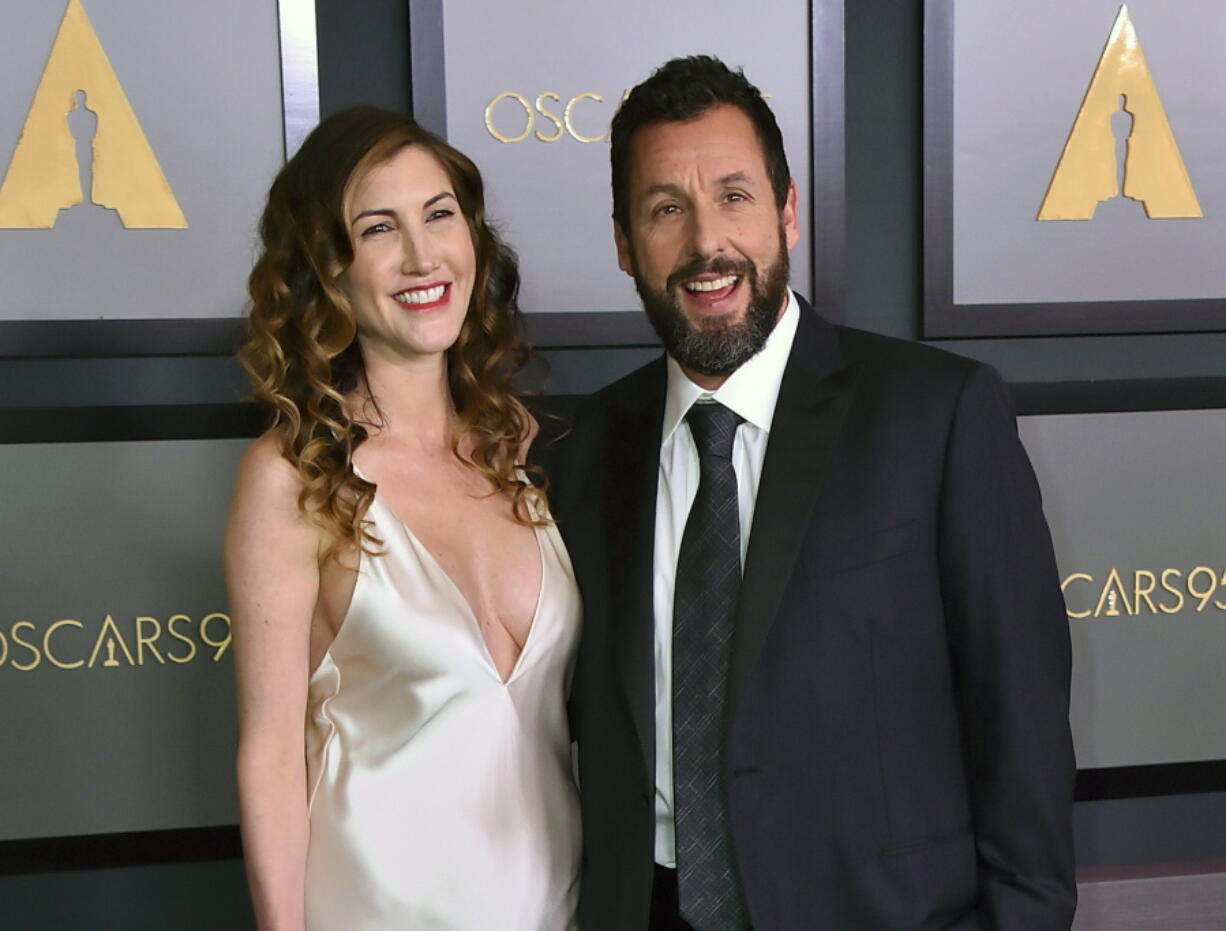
<point x="1010" y="650"/>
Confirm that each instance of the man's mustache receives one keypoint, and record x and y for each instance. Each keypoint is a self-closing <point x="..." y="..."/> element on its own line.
<point x="718" y="266"/>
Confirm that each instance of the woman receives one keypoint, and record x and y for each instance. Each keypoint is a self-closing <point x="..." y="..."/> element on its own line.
<point x="394" y="578"/>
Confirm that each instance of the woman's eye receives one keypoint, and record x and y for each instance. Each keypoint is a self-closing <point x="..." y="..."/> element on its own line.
<point x="377" y="228"/>
<point x="440" y="214"/>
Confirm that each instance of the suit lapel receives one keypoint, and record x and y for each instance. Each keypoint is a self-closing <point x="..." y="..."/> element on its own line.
<point x="813" y="400"/>
<point x="634" y="447"/>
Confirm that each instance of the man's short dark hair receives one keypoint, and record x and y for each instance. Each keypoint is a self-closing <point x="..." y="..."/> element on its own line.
<point x="683" y="89"/>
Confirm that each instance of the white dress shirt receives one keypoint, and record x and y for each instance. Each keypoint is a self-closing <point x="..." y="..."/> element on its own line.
<point x="750" y="391"/>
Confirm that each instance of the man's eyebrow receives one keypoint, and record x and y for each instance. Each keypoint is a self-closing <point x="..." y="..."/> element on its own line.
<point x="663" y="187"/>
<point x="673" y="190"/>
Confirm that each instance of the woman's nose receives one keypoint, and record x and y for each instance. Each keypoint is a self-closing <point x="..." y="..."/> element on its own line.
<point x="419" y="258"/>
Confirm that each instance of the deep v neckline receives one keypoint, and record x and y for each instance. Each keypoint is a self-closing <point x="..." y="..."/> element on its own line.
<point x="432" y="560"/>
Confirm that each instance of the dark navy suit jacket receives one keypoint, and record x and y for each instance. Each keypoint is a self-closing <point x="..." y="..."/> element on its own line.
<point x="897" y="751"/>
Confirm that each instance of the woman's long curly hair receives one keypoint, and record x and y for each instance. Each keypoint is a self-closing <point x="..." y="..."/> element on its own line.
<point x="302" y="351"/>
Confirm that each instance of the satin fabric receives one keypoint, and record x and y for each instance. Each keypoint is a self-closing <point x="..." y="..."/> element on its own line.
<point x="441" y="797"/>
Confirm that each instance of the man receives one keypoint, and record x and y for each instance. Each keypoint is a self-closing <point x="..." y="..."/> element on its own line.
<point x="868" y="729"/>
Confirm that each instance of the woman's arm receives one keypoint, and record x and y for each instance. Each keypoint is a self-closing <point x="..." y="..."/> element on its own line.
<point x="272" y="575"/>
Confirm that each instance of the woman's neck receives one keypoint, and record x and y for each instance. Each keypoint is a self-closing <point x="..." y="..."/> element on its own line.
<point x="411" y="401"/>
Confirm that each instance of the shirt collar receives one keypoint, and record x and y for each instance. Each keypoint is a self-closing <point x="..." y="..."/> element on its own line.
<point x="751" y="391"/>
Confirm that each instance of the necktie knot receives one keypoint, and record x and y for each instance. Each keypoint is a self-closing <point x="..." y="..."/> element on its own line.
<point x="714" y="429"/>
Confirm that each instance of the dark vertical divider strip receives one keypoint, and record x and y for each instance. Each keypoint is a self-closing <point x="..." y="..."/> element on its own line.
<point x="884" y="158"/>
<point x="938" y="135"/>
<point x="827" y="155"/>
<point x="427" y="58"/>
<point x="363" y="55"/>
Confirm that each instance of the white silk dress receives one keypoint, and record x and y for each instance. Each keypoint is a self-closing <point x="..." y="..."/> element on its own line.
<point x="440" y="797"/>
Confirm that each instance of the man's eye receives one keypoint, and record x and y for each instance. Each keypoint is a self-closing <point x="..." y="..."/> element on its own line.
<point x="735" y="195"/>
<point x="668" y="209"/>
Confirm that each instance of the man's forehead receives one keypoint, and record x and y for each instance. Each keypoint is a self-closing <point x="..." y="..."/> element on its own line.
<point x="721" y="142"/>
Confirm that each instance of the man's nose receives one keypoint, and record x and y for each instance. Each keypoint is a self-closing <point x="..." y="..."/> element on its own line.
<point x="705" y="229"/>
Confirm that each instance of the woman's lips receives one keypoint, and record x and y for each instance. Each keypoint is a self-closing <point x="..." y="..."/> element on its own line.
<point x="425" y="297"/>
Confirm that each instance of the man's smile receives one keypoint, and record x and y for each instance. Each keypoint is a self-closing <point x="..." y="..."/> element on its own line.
<point x="716" y="284"/>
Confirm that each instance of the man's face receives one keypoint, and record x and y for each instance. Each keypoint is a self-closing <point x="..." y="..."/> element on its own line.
<point x="706" y="244"/>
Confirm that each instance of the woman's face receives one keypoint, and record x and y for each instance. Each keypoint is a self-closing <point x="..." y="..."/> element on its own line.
<point x="413" y="259"/>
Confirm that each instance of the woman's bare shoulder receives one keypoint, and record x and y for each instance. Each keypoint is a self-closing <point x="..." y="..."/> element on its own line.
<point x="266" y="520"/>
<point x="265" y="474"/>
<point x="266" y="492"/>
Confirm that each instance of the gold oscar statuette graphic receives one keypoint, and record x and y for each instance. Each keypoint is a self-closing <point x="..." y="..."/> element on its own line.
<point x="78" y="96"/>
<point x="1087" y="172"/>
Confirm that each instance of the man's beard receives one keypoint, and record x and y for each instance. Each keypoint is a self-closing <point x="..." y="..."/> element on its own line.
<point x="718" y="348"/>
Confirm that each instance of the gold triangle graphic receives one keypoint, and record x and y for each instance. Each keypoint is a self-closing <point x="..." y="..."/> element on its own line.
<point x="1154" y="172"/>
<point x="43" y="177"/>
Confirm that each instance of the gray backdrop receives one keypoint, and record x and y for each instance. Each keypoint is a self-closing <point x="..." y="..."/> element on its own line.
<point x="126" y="530"/>
<point x="1020" y="72"/>
<point x="884" y="150"/>
<point x="552" y="199"/>
<point x="205" y="84"/>
<point x="1140" y="491"/>
<point x="132" y="530"/>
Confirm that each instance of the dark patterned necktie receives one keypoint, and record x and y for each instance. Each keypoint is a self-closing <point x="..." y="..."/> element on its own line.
<point x="704" y="606"/>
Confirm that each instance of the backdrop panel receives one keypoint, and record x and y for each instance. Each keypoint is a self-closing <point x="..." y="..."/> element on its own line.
<point x="1053" y="132"/>
<point x="1135" y="508"/>
<point x="204" y="84"/>
<point x="115" y="665"/>
<point x="535" y="117"/>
